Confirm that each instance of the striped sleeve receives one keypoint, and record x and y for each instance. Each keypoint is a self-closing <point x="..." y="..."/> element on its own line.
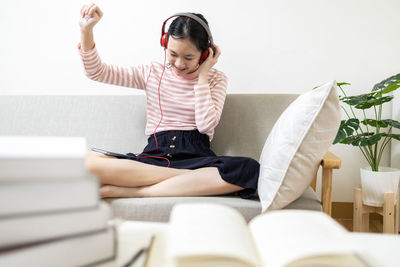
<point x="209" y="102"/>
<point x="97" y="70"/>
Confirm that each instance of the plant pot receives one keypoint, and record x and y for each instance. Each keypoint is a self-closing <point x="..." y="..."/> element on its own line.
<point x="375" y="184"/>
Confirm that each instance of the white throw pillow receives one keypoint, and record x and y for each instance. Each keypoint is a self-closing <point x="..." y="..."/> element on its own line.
<point x="297" y="142"/>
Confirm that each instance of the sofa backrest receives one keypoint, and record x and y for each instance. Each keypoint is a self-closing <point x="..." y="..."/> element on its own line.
<point x="116" y="122"/>
<point x="246" y="122"/>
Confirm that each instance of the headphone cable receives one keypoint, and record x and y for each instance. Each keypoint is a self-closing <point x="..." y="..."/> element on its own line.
<point x="159" y="99"/>
<point x="145" y="155"/>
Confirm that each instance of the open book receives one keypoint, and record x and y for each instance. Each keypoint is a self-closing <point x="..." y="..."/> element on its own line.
<point x="205" y="234"/>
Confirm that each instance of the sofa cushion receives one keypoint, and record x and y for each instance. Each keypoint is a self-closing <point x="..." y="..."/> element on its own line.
<point x="296" y="145"/>
<point x="157" y="209"/>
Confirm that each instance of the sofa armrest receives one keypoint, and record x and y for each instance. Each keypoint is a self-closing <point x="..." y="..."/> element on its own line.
<point x="329" y="162"/>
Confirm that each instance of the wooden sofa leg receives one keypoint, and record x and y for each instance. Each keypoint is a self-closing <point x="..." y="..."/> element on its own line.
<point x="327" y="190"/>
<point x="329" y="162"/>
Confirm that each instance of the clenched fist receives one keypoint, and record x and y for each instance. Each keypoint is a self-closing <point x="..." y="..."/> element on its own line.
<point x="90" y="15"/>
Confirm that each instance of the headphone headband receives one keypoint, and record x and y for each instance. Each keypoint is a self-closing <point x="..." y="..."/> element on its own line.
<point x="194" y="17"/>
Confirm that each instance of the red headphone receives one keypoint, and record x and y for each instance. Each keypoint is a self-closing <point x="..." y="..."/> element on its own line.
<point x="164" y="35"/>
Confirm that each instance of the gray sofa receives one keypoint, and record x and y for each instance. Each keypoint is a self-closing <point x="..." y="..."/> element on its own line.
<point x="116" y="123"/>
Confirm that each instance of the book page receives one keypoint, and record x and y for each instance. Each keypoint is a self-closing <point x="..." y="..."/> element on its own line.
<point x="284" y="236"/>
<point x="205" y="231"/>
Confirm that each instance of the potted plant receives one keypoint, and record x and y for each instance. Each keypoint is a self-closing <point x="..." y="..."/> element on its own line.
<point x="371" y="136"/>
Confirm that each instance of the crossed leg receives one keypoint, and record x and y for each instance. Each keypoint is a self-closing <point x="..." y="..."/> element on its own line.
<point x="128" y="178"/>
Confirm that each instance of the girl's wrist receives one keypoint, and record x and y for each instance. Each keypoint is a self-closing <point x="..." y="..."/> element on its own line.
<point x="87" y="40"/>
<point x="86" y="30"/>
<point x="203" y="78"/>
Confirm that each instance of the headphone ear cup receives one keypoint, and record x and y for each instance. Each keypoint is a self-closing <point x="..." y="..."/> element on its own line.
<point x="204" y="56"/>
<point x="164" y="40"/>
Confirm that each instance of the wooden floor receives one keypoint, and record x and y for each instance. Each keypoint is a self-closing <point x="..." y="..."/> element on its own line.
<point x="375" y="226"/>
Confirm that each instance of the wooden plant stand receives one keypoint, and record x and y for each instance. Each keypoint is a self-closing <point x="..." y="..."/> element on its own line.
<point x="389" y="211"/>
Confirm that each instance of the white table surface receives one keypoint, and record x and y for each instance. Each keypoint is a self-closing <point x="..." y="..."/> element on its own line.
<point x="132" y="236"/>
<point x="378" y="249"/>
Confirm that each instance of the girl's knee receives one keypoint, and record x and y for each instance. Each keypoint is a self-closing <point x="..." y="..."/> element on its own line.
<point x="89" y="164"/>
<point x="92" y="163"/>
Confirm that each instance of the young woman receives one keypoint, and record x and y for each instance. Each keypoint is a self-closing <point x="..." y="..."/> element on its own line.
<point x="185" y="98"/>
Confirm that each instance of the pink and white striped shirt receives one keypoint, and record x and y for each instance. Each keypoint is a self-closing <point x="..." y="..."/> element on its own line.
<point x="185" y="104"/>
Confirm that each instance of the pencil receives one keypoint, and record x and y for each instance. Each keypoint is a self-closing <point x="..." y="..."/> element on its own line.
<point x="148" y="250"/>
<point x="135" y="257"/>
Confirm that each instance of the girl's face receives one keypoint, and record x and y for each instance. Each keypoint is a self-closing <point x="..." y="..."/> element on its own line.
<point x="183" y="56"/>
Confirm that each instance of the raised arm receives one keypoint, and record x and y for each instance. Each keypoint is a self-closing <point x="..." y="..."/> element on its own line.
<point x="134" y="77"/>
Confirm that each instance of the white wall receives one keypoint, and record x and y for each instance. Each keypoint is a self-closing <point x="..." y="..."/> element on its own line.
<point x="268" y="46"/>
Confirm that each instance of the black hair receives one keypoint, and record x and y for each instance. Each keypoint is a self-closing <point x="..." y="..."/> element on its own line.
<point x="187" y="28"/>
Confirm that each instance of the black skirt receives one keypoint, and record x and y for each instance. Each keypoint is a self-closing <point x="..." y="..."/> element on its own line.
<point x="191" y="150"/>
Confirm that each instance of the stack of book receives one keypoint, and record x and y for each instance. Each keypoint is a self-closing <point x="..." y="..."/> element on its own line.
<point x="50" y="209"/>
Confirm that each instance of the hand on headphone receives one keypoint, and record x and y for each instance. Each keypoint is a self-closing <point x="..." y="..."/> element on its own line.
<point x="211" y="60"/>
<point x="90" y="15"/>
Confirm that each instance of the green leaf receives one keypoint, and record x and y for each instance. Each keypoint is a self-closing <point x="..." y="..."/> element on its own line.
<point x="373" y="102"/>
<point x="393" y="123"/>
<point x="356" y="139"/>
<point x="391" y="135"/>
<point x="346" y="129"/>
<point x="365" y="139"/>
<point x="354" y="123"/>
<point x="375" y="123"/>
<point x="395" y="79"/>
<point x="371" y="140"/>
<point x="356" y="142"/>
<point x="349" y="131"/>
<point x="395" y="136"/>
<point x="391" y="88"/>
<point x="341" y="135"/>
<point x="358" y="99"/>
<point x="382" y="123"/>
<point x="342" y="83"/>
